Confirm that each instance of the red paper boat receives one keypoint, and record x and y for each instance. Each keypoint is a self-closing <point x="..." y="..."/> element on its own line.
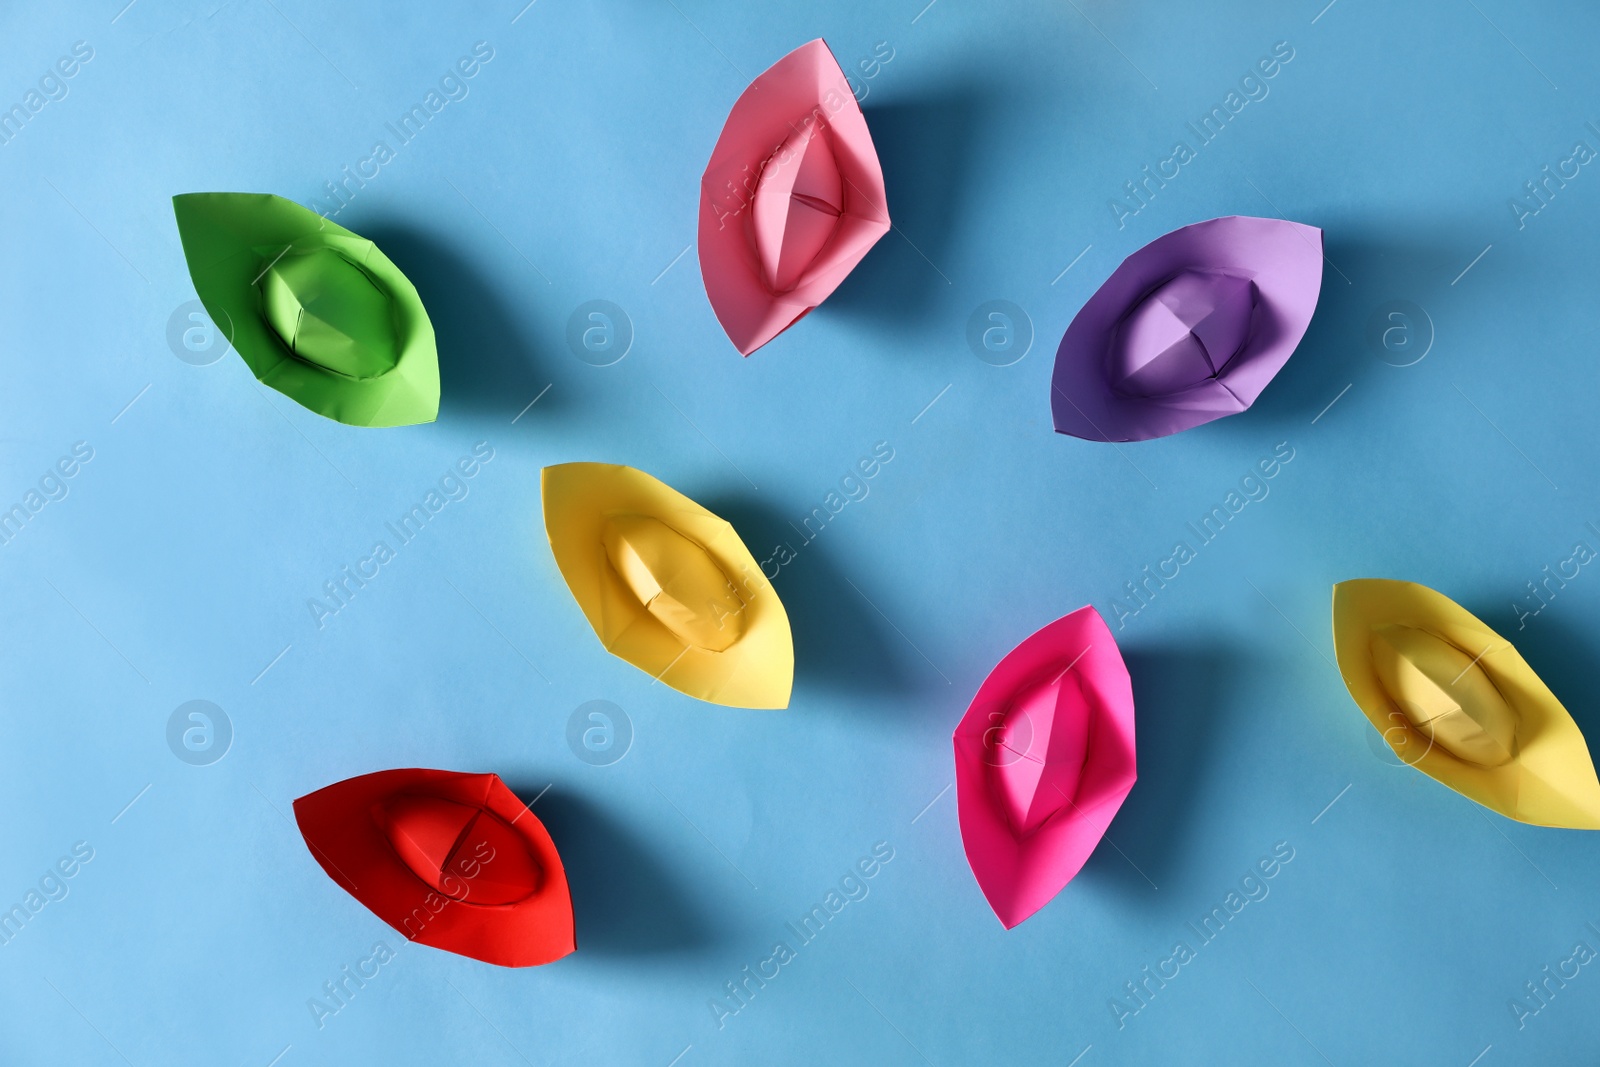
<point x="1044" y="758"/>
<point x="791" y="200"/>
<point x="451" y="860"/>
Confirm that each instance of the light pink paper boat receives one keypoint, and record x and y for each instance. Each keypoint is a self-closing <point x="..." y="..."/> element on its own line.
<point x="791" y="200"/>
<point x="1044" y="758"/>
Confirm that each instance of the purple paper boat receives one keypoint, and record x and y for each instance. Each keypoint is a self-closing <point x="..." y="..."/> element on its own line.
<point x="1188" y="329"/>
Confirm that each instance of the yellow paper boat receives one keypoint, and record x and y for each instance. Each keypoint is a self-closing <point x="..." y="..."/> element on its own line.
<point x="1457" y="702"/>
<point x="667" y="585"/>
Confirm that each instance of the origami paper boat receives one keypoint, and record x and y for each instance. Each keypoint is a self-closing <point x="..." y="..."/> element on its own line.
<point x="667" y="585"/>
<point x="1457" y="702"/>
<point x="1188" y="329"/>
<point x="448" y="859"/>
<point x="317" y="312"/>
<point x="1044" y="758"/>
<point x="791" y="199"/>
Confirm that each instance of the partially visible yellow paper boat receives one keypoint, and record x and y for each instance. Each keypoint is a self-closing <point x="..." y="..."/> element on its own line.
<point x="1457" y="702"/>
<point x="667" y="585"/>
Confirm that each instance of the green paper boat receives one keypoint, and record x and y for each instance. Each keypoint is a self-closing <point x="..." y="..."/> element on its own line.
<point x="317" y="312"/>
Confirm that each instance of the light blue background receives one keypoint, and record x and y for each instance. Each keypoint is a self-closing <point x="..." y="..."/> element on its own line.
<point x="179" y="565"/>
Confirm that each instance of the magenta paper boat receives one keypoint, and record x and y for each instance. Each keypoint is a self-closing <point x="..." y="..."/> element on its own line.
<point x="1188" y="329"/>
<point x="1044" y="758"/>
<point x="791" y="200"/>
